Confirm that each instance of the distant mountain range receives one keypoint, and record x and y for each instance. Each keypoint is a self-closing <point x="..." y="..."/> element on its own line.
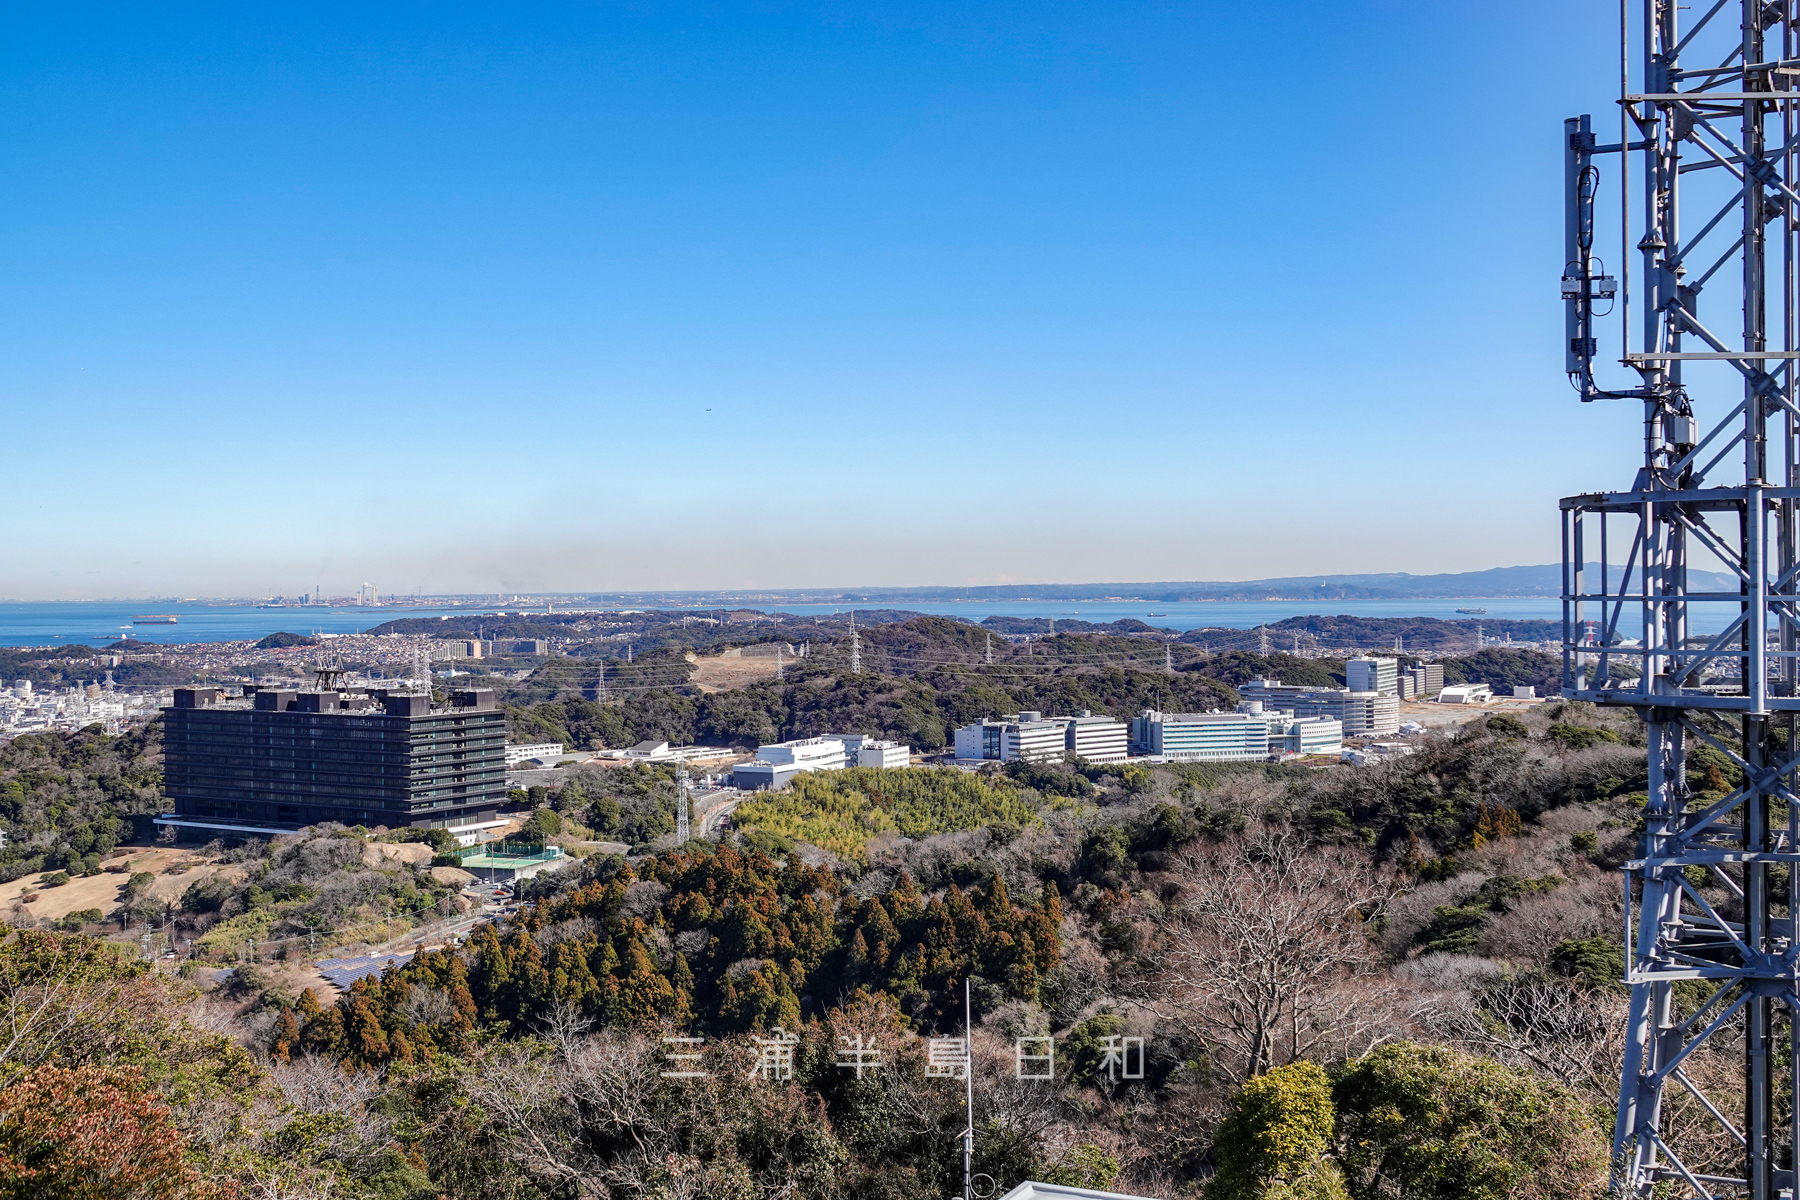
<point x="1498" y="583"/>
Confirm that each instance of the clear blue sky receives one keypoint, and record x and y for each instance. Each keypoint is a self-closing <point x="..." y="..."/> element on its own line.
<point x="541" y="297"/>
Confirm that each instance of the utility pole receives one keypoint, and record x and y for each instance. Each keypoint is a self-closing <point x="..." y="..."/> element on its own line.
<point x="1711" y="112"/>
<point x="968" y="1095"/>
<point x="855" y="646"/>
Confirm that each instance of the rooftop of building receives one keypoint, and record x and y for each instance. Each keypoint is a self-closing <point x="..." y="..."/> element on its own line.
<point x="355" y="701"/>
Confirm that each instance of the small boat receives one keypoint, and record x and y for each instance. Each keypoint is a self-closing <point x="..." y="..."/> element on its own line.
<point x="1473" y="612"/>
<point x="155" y="619"/>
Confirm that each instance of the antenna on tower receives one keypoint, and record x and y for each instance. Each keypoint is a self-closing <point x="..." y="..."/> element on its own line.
<point x="855" y="646"/>
<point x="329" y="671"/>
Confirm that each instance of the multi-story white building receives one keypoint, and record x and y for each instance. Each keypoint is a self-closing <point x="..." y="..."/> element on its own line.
<point x="806" y="754"/>
<point x="518" y="753"/>
<point x="1363" y="714"/>
<point x="1097" y="739"/>
<point x="886" y="755"/>
<point x="1249" y="734"/>
<point x="1033" y="737"/>
<point x="1422" y="682"/>
<point x="861" y="750"/>
<point x="1368" y="674"/>
<point x="776" y="764"/>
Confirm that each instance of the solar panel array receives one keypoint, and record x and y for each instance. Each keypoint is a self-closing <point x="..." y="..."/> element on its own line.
<point x="342" y="972"/>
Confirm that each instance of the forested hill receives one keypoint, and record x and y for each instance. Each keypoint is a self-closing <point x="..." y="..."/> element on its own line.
<point x="618" y="635"/>
<point x="919" y="681"/>
<point x="1419" y="634"/>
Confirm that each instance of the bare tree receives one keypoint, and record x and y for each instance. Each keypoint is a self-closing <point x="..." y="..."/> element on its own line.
<point x="530" y="1120"/>
<point x="1264" y="954"/>
<point x="313" y="1087"/>
<point x="1572" y="1034"/>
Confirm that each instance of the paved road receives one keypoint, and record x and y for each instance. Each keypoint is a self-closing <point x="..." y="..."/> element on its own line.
<point x="710" y="818"/>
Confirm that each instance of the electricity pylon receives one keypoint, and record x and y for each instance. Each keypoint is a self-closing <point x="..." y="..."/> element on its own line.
<point x="1715" y="888"/>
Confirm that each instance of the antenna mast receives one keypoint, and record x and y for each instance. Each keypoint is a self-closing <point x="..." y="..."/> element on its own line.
<point x="1717" y="140"/>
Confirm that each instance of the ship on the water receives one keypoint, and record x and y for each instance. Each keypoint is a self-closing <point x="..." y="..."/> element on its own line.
<point x="155" y="619"/>
<point x="1473" y="612"/>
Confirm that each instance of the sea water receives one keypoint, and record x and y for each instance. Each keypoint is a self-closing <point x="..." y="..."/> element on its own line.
<point x="98" y="622"/>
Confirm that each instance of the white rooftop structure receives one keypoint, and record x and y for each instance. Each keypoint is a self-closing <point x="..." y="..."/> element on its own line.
<point x="1466" y="693"/>
<point x="1060" y="1191"/>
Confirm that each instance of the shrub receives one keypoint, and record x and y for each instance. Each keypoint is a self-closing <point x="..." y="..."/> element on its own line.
<point x="1431" y="1123"/>
<point x="73" y="922"/>
<point x="446" y="860"/>
<point x="139" y="882"/>
<point x="56" y="879"/>
<point x="440" y="840"/>
<point x="1579" y="737"/>
<point x="1507" y="725"/>
<point x="1084" y="1166"/>
<point x="1596" y="962"/>
<point x="1275" y="1139"/>
<point x="543" y="823"/>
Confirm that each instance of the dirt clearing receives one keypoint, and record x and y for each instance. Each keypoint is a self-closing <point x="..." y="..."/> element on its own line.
<point x="724" y="674"/>
<point x="106" y="890"/>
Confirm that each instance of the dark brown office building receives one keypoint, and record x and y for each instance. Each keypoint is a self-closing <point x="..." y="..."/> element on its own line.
<point x="283" y="759"/>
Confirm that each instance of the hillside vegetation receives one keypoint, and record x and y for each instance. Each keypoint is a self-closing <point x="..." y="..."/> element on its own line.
<point x="842" y="811"/>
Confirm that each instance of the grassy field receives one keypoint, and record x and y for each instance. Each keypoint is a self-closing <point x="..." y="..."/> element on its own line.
<point x="842" y="810"/>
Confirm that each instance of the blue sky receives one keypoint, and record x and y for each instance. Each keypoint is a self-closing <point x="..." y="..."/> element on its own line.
<point x="552" y="297"/>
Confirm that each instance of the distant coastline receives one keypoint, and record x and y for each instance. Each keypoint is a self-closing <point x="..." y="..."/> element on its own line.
<point x="1529" y="582"/>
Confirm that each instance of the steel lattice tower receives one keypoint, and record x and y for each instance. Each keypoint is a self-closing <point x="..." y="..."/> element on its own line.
<point x="1709" y="905"/>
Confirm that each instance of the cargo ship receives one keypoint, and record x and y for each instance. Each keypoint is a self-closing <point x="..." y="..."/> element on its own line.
<point x="154" y="619"/>
<point x="1473" y="612"/>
